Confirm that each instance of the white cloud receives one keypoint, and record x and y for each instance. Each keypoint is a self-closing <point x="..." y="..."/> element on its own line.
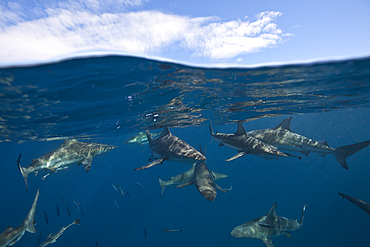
<point x="68" y="30"/>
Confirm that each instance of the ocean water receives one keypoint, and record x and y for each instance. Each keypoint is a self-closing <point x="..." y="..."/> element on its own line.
<point x="110" y="99"/>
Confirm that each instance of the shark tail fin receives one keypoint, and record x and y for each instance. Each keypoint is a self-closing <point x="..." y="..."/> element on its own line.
<point x="342" y="153"/>
<point x="163" y="184"/>
<point x="23" y="170"/>
<point x="303" y="210"/>
<point x="29" y="222"/>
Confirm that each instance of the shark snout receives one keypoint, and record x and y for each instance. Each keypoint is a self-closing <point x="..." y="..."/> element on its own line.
<point x="235" y="232"/>
<point x="242" y="232"/>
<point x="210" y="195"/>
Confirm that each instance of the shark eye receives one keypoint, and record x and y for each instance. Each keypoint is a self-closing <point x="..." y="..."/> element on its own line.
<point x="212" y="175"/>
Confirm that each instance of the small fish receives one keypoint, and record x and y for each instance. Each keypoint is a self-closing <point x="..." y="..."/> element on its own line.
<point x="58" y="213"/>
<point x="77" y="205"/>
<point x="64" y="201"/>
<point x="46" y="217"/>
<point x="144" y="230"/>
<point x="110" y="215"/>
<point x="121" y="191"/>
<point x="138" y="184"/>
<point x="68" y="210"/>
<point x="128" y="194"/>
<point x="114" y="187"/>
<point x="39" y="240"/>
<point x="115" y="202"/>
<point x="97" y="243"/>
<point x="170" y="230"/>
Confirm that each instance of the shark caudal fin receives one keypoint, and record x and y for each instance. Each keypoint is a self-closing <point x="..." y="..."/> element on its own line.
<point x="342" y="153"/>
<point x="163" y="184"/>
<point x="303" y="210"/>
<point x="29" y="222"/>
<point x="23" y="170"/>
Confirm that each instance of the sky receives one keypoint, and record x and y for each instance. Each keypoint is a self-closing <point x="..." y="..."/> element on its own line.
<point x="227" y="33"/>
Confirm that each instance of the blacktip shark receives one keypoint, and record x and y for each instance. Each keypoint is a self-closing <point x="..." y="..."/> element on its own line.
<point x="71" y="151"/>
<point x="268" y="226"/>
<point x="284" y="138"/>
<point x="203" y="181"/>
<point x="12" y="235"/>
<point x="53" y="238"/>
<point x="246" y="144"/>
<point x="359" y="203"/>
<point x="186" y="176"/>
<point x="141" y="138"/>
<point x="171" y="148"/>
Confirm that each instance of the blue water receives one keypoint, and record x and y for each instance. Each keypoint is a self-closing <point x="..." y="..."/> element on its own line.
<point x="110" y="99"/>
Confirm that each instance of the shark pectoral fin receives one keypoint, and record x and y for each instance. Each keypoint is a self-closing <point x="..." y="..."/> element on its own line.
<point x="305" y="152"/>
<point x="238" y="155"/>
<point x="153" y="163"/>
<point x="87" y="163"/>
<point x="288" y="235"/>
<point x="291" y="155"/>
<point x="267" y="242"/>
<point x="218" y="187"/>
<point x="186" y="183"/>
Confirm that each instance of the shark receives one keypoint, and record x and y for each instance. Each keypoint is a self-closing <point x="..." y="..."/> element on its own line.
<point x="203" y="181"/>
<point x="171" y="148"/>
<point x="53" y="238"/>
<point x="284" y="138"/>
<point x="12" y="235"/>
<point x="141" y="138"/>
<point x="246" y="144"/>
<point x="268" y="226"/>
<point x="359" y="203"/>
<point x="71" y="151"/>
<point x="186" y="176"/>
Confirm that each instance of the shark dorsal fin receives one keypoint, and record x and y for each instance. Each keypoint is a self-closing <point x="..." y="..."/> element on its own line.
<point x="271" y="212"/>
<point x="166" y="131"/>
<point x="285" y="124"/>
<point x="69" y="141"/>
<point x="149" y="136"/>
<point x="240" y="130"/>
